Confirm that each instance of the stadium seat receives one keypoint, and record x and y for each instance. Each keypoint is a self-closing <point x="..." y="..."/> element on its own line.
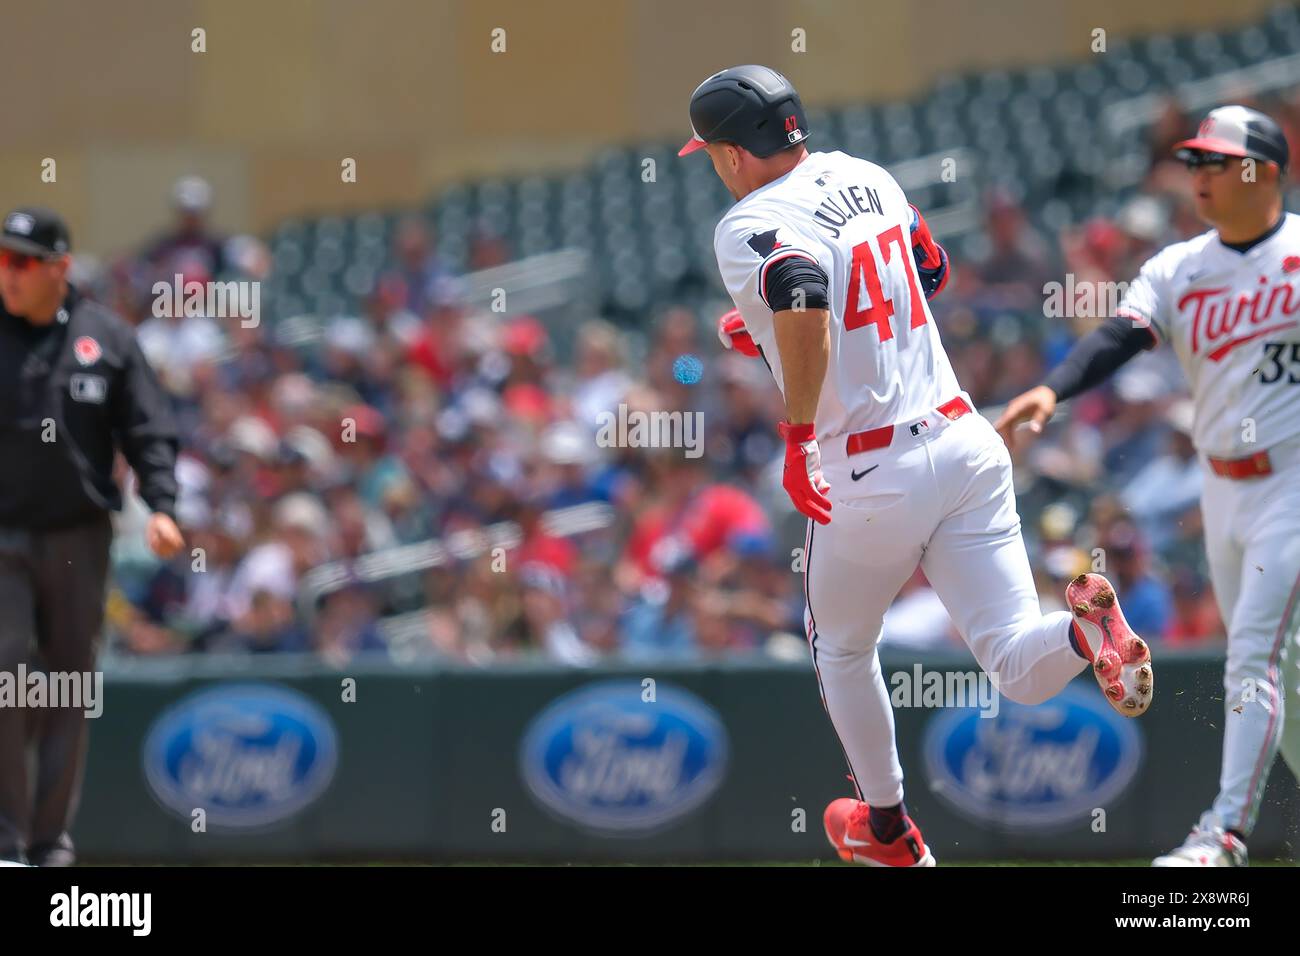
<point x="1037" y="130"/>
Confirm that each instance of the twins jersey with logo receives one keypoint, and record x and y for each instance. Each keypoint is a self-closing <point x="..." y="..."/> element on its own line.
<point x="916" y="475"/>
<point x="849" y="216"/>
<point x="1233" y="320"/>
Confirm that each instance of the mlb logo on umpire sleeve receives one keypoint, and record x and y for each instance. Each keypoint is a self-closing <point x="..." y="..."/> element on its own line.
<point x="88" y="388"/>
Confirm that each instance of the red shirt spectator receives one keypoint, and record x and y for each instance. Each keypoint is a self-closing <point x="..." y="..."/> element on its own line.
<point x="1195" y="618"/>
<point x="428" y="351"/>
<point x="706" y="522"/>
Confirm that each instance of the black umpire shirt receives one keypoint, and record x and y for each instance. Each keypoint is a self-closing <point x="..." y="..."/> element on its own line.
<point x="83" y="382"/>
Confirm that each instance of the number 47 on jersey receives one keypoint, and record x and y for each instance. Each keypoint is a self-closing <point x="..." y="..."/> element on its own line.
<point x="864" y="284"/>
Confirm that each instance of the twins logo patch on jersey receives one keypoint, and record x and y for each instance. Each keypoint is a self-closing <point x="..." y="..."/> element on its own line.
<point x="86" y="350"/>
<point x="765" y="243"/>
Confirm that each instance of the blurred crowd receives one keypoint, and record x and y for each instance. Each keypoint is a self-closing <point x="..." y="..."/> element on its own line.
<point x="419" y="420"/>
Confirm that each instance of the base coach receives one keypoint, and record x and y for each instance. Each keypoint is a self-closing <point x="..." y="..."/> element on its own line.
<point x="74" y="390"/>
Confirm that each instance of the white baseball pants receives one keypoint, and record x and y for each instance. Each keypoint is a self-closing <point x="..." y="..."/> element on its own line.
<point x="940" y="496"/>
<point x="1252" y="537"/>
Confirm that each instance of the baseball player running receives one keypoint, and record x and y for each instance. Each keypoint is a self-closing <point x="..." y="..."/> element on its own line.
<point x="830" y="269"/>
<point x="1228" y="302"/>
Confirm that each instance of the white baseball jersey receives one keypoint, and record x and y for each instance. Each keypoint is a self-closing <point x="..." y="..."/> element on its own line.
<point x="1233" y="320"/>
<point x="938" y="495"/>
<point x="887" y="363"/>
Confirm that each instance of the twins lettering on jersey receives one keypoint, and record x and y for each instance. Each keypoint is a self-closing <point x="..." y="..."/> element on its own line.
<point x="1216" y="315"/>
<point x="1232" y="317"/>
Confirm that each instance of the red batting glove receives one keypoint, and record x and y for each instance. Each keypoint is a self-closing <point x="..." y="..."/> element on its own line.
<point x="733" y="334"/>
<point x="931" y="260"/>
<point x="803" y="479"/>
<point x="928" y="257"/>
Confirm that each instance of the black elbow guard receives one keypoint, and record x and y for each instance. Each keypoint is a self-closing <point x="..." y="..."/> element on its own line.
<point x="796" y="283"/>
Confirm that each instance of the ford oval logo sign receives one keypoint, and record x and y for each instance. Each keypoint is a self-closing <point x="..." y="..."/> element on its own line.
<point x="249" y="755"/>
<point x="1032" y="767"/>
<point x="606" y="759"/>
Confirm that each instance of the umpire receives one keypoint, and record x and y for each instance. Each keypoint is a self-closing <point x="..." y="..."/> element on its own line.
<point x="74" y="389"/>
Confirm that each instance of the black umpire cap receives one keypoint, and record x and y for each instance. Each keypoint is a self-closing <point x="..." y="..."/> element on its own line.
<point x="751" y="106"/>
<point x="1238" y="131"/>
<point x="34" y="231"/>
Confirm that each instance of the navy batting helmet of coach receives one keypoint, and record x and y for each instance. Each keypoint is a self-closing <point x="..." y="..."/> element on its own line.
<point x="751" y="106"/>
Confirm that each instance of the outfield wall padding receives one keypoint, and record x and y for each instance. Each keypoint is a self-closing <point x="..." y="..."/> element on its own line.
<point x="710" y="762"/>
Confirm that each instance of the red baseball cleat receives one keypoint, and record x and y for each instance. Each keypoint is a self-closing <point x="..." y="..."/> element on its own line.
<point x="1121" y="661"/>
<point x="850" y="833"/>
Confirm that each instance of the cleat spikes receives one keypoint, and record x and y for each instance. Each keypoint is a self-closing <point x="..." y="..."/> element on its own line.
<point x="1121" y="661"/>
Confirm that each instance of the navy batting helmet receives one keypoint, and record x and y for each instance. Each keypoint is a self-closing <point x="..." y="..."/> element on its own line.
<point x="751" y="106"/>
